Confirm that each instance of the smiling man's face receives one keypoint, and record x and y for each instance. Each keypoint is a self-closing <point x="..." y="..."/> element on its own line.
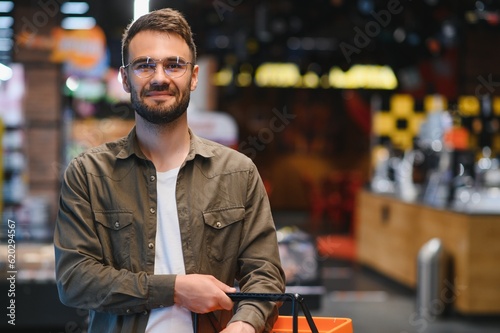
<point x="159" y="99"/>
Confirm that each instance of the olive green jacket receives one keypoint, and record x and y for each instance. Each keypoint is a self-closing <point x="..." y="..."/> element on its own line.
<point x="106" y="225"/>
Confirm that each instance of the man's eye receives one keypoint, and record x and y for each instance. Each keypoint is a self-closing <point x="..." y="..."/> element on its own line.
<point x="174" y="66"/>
<point x="144" y="66"/>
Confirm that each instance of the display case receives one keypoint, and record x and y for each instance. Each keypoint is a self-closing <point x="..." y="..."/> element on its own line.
<point x="390" y="233"/>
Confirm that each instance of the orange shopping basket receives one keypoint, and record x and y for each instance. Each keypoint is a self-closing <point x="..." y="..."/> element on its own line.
<point x="296" y="323"/>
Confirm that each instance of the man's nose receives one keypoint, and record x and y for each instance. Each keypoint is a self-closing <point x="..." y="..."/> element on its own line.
<point x="160" y="76"/>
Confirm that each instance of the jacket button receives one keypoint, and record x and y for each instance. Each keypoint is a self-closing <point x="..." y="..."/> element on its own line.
<point x="152" y="178"/>
<point x="128" y="311"/>
<point x="117" y="225"/>
<point x="152" y="210"/>
<point x="151" y="245"/>
<point x="218" y="225"/>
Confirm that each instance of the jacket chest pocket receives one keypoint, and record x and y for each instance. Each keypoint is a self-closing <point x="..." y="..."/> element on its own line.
<point x="223" y="229"/>
<point x="114" y="230"/>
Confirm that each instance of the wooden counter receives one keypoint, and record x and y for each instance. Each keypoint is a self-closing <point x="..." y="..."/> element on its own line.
<point x="390" y="233"/>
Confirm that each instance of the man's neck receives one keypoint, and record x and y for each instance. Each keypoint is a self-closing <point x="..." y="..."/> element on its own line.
<point x="165" y="145"/>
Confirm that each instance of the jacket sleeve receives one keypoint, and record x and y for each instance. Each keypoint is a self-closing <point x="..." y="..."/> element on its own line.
<point x="260" y="268"/>
<point x="83" y="280"/>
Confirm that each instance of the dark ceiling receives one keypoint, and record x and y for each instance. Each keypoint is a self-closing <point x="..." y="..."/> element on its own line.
<point x="320" y="32"/>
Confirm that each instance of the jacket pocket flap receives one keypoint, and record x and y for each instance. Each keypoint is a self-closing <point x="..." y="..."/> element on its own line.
<point x="223" y="217"/>
<point x="114" y="220"/>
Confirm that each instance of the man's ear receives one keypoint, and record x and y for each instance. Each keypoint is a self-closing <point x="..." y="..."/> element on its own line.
<point x="125" y="79"/>
<point x="194" y="77"/>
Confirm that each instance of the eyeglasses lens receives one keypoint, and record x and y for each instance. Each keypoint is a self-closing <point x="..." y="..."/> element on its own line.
<point x="146" y="67"/>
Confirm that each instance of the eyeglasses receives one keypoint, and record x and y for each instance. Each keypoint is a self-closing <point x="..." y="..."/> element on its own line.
<point x="145" y="67"/>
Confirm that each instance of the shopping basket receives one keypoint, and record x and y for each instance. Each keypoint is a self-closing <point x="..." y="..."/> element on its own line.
<point x="296" y="323"/>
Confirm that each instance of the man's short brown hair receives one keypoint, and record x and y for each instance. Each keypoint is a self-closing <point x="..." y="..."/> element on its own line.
<point x="162" y="20"/>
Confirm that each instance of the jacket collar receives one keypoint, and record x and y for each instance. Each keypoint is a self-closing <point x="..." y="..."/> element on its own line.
<point x="197" y="146"/>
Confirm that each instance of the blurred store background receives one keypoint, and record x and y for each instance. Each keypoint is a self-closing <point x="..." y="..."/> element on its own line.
<point x="372" y="123"/>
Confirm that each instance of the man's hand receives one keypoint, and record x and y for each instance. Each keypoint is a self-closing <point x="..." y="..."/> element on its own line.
<point x="202" y="293"/>
<point x="239" y="327"/>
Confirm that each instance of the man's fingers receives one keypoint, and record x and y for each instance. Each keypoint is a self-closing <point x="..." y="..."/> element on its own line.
<point x="224" y="287"/>
<point x="189" y="289"/>
<point x="226" y="303"/>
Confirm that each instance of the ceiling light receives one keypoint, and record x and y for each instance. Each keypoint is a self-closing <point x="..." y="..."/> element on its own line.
<point x="78" y="23"/>
<point x="6" y="22"/>
<point x="74" y="8"/>
<point x="141" y="7"/>
<point x="6" y="6"/>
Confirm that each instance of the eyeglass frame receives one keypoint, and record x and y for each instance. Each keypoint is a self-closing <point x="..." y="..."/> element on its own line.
<point x="155" y="62"/>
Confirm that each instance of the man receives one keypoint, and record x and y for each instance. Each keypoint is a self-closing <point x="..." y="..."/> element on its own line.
<point x="159" y="225"/>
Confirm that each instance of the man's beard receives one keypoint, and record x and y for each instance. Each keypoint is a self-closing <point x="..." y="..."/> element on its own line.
<point x="158" y="114"/>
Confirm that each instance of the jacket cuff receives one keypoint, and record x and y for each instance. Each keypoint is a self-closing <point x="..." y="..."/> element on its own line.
<point x="248" y="314"/>
<point x="161" y="291"/>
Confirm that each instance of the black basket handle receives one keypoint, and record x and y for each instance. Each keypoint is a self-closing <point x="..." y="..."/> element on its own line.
<point x="287" y="297"/>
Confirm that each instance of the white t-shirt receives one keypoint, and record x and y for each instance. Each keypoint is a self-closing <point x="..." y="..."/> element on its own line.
<point x="168" y="256"/>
